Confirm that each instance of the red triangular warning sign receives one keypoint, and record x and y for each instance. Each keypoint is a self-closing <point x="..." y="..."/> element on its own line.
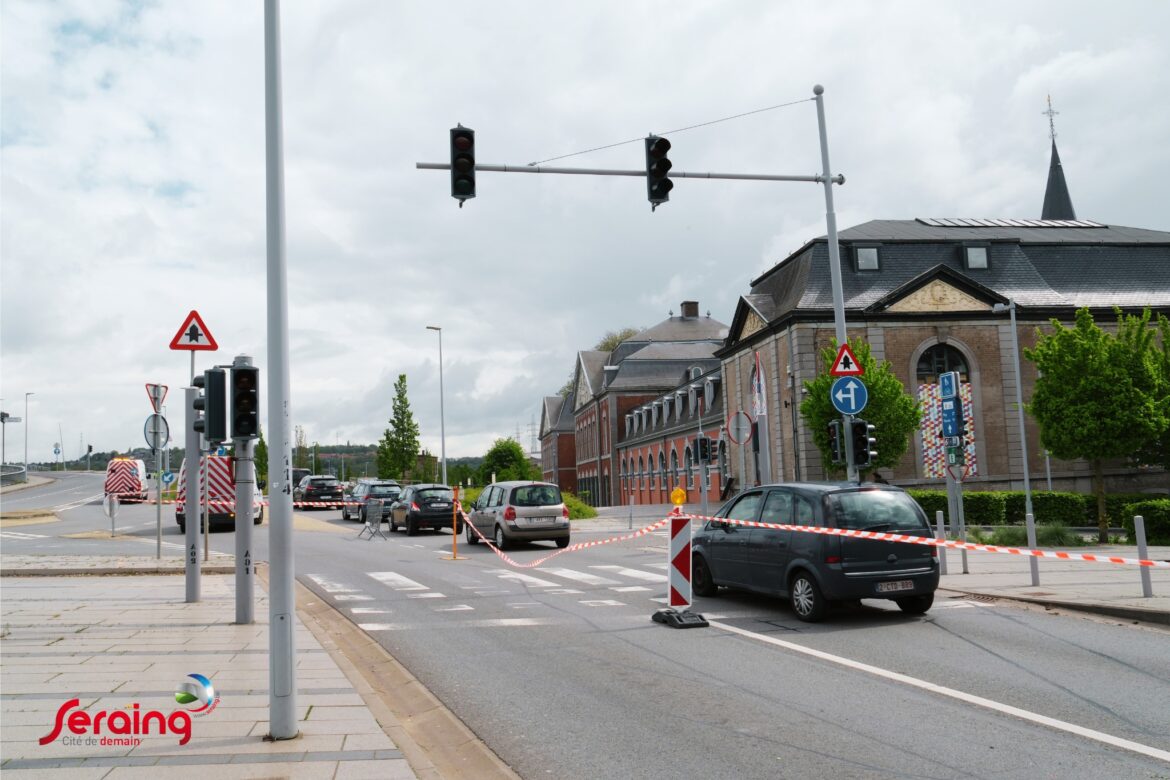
<point x="846" y="363"/>
<point x="194" y="335"/>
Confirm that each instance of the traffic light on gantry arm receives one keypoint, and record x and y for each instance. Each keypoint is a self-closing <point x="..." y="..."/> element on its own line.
<point x="245" y="402"/>
<point x="864" y="443"/>
<point x="658" y="186"/>
<point x="462" y="163"/>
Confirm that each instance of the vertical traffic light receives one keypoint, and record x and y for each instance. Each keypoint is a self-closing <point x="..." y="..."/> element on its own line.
<point x="215" y="416"/>
<point x="245" y="402"/>
<point x="703" y="445"/>
<point x="462" y="163"/>
<point x="199" y="404"/>
<point x="864" y="443"/>
<point x="658" y="186"/>
<point x="836" y="442"/>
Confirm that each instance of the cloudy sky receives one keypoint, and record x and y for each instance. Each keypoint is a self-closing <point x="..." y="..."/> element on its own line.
<point x="133" y="180"/>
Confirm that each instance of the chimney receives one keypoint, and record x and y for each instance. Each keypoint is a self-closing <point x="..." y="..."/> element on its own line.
<point x="690" y="310"/>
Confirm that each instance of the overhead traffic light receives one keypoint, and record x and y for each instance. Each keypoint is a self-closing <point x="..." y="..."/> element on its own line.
<point x="462" y="163"/>
<point x="864" y="443"/>
<point x="836" y="442"/>
<point x="245" y="402"/>
<point x="658" y="186"/>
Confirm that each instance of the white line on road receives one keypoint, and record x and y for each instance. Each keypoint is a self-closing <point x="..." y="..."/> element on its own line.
<point x="396" y="580"/>
<point x="633" y="574"/>
<point x="979" y="701"/>
<point x="527" y="579"/>
<point x="580" y="576"/>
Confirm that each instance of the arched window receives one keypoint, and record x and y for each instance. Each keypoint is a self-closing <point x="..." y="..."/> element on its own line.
<point x="662" y="467"/>
<point x="673" y="468"/>
<point x="688" y="459"/>
<point x="938" y="360"/>
<point x="641" y="470"/>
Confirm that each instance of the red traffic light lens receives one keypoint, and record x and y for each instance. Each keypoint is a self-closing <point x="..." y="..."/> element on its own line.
<point x="660" y="147"/>
<point x="462" y="142"/>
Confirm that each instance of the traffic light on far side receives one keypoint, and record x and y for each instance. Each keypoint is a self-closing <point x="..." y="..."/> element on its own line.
<point x="658" y="186"/>
<point x="462" y="163"/>
<point x="836" y="442"/>
<point x="704" y="448"/>
<point x="864" y="443"/>
<point x="245" y="402"/>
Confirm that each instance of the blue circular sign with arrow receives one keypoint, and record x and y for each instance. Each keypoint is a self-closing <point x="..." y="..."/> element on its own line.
<point x="849" y="395"/>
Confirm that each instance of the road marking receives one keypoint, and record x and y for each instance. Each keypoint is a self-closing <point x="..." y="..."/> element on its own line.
<point x="580" y="576"/>
<point x="602" y="603"/>
<point x="506" y="622"/>
<point x="633" y="574"/>
<point x="396" y="581"/>
<point x="526" y="579"/>
<point x="565" y="592"/>
<point x="369" y="611"/>
<point x="329" y="586"/>
<point x="352" y="597"/>
<point x="631" y="589"/>
<point x="428" y="595"/>
<point x="456" y="608"/>
<point x="21" y="535"/>
<point x="979" y="701"/>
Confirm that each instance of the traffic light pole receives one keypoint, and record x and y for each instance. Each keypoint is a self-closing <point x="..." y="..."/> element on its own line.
<point x="191" y="490"/>
<point x="245" y="568"/>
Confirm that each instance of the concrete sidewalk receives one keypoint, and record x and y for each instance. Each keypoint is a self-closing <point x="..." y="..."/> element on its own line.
<point x="114" y="642"/>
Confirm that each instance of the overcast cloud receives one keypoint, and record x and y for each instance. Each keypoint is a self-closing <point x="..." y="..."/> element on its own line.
<point x="133" y="180"/>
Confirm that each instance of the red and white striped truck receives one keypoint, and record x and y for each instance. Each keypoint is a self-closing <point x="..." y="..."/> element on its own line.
<point x="126" y="478"/>
<point x="221" y="493"/>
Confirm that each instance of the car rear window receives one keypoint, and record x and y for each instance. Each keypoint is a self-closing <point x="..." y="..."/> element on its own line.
<point x="876" y="510"/>
<point x="385" y="490"/>
<point x="536" y="495"/>
<point x="430" y="495"/>
<point x="324" y="482"/>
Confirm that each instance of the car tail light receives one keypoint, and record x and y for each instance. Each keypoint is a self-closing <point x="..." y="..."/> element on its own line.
<point x="565" y="512"/>
<point x="832" y="559"/>
<point x="414" y="505"/>
<point x="510" y="514"/>
<point x="934" y="552"/>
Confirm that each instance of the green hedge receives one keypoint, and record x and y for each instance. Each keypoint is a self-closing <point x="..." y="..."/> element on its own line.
<point x="985" y="508"/>
<point x="1156" y="514"/>
<point x="1065" y="508"/>
<point x="578" y="509"/>
<point x="1115" y="507"/>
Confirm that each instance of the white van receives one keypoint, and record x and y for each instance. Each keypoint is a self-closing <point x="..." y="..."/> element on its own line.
<point x="221" y="494"/>
<point x="126" y="478"/>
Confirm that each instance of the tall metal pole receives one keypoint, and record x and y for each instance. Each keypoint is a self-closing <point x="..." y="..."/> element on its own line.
<point x="26" y="395"/>
<point x="282" y="688"/>
<point x="834" y="266"/>
<point x="442" y="417"/>
<point x="190" y="491"/>
<point x="1029" y="517"/>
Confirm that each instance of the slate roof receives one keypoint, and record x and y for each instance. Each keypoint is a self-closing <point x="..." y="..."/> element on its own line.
<point x="658" y="375"/>
<point x="1035" y="266"/>
<point x="558" y="414"/>
<point x="592" y="362"/>
<point x="682" y="329"/>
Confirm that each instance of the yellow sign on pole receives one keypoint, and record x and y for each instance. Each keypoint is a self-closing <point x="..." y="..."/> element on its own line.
<point x="678" y="496"/>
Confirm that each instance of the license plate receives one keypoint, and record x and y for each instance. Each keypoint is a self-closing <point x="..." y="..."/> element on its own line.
<point x="540" y="520"/>
<point x="896" y="585"/>
<point x="440" y="506"/>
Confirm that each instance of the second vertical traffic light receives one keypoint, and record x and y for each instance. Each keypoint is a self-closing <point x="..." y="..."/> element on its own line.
<point x="212" y="402"/>
<point x="658" y="186"/>
<point x="245" y="402"/>
<point x="462" y="163"/>
<point x="864" y="443"/>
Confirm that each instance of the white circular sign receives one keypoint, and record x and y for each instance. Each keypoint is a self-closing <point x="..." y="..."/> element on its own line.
<point x="739" y="427"/>
<point x="157" y="431"/>
<point x="110" y="506"/>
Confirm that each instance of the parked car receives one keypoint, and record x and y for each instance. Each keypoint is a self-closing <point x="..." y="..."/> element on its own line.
<point x="385" y="490"/>
<point x="319" y="488"/>
<point x="508" y="512"/>
<point x="810" y="569"/>
<point x="424" y="506"/>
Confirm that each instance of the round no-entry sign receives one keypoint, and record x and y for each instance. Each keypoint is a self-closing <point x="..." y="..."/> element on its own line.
<point x="739" y="427"/>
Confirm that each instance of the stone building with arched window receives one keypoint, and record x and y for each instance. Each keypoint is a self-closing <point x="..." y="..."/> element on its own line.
<point x="922" y="293"/>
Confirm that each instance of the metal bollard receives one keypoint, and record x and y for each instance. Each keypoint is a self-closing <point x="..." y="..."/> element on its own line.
<point x="941" y="534"/>
<point x="1139" y="529"/>
<point x="1033" y="564"/>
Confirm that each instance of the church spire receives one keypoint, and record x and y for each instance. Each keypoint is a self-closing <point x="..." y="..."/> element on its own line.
<point x="1057" y="203"/>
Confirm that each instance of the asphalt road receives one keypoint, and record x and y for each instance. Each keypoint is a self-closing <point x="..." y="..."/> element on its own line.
<point x="560" y="670"/>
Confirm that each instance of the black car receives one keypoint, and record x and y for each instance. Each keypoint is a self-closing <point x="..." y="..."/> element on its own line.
<point x="813" y="569"/>
<point x="425" y="506"/>
<point x="319" y="489"/>
<point x="385" y="490"/>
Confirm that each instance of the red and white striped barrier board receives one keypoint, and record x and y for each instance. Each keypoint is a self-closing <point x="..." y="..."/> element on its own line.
<point x="680" y="562"/>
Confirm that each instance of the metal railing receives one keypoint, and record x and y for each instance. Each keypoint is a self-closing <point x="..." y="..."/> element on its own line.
<point x="12" y="475"/>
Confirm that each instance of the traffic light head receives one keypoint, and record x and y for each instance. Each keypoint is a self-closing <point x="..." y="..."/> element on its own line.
<point x="704" y="447"/>
<point x="215" y="417"/>
<point x="199" y="403"/>
<point x="245" y="402"/>
<point x="462" y="163"/>
<point x="864" y="443"/>
<point x="658" y="186"/>
<point x="836" y="442"/>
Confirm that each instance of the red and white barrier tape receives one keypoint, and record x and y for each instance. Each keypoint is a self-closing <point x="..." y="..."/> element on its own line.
<point x="932" y="542"/>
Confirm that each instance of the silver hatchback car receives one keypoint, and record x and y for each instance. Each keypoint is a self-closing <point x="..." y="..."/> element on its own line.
<point x="508" y="512"/>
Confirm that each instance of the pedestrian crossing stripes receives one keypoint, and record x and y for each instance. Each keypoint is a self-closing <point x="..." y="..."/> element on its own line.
<point x="21" y="535"/>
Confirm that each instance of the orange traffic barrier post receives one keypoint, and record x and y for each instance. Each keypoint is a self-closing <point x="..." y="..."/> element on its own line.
<point x="454" y="556"/>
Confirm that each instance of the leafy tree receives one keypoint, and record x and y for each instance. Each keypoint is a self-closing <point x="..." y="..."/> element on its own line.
<point x="260" y="459"/>
<point x="894" y="413"/>
<point x="398" y="449"/>
<point x="1157" y="451"/>
<point x="1096" y="396"/>
<point x="608" y="343"/>
<point x="507" y="460"/>
<point x="300" y="448"/>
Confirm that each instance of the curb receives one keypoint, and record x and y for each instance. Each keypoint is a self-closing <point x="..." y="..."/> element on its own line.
<point x="106" y="571"/>
<point x="1136" y="614"/>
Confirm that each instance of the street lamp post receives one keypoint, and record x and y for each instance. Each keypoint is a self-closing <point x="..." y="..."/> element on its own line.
<point x="1029" y="517"/>
<point x="442" y="421"/>
<point x="26" y="395"/>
